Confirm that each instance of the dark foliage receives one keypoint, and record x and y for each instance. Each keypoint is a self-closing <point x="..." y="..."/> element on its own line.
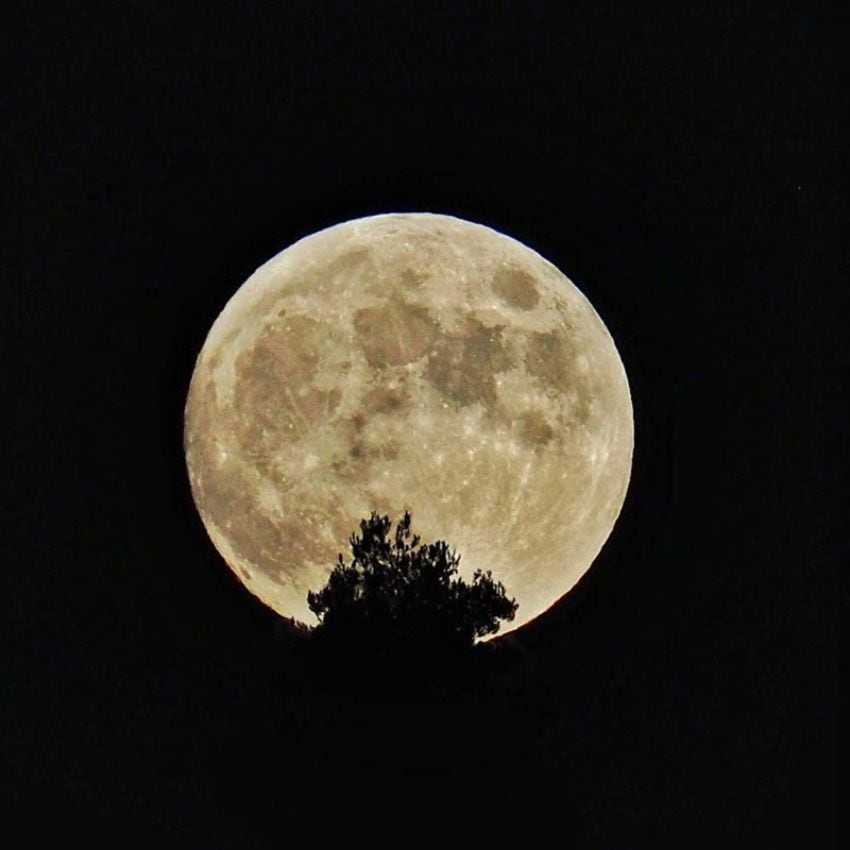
<point x="402" y="599"/>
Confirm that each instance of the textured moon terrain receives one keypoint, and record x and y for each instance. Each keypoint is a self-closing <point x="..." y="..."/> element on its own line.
<point x="409" y="361"/>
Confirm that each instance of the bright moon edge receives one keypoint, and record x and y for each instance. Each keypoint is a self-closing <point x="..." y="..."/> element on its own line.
<point x="409" y="361"/>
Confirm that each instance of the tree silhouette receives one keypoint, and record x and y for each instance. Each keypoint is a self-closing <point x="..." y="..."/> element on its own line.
<point x="398" y="597"/>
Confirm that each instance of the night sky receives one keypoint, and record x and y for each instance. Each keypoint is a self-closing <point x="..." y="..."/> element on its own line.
<point x="675" y="165"/>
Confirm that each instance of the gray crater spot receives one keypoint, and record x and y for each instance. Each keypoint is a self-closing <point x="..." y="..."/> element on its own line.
<point x="462" y="368"/>
<point x="395" y="333"/>
<point x="533" y="429"/>
<point x="516" y="288"/>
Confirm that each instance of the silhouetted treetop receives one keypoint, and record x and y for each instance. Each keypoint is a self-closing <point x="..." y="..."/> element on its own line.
<point x="398" y="590"/>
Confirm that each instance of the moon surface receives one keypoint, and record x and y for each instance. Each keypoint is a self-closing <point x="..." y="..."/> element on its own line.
<point x="409" y="361"/>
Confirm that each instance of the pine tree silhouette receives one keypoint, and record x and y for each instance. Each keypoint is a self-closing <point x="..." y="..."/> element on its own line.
<point x="399" y="597"/>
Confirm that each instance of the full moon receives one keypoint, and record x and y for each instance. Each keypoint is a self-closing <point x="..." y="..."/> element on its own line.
<point x="409" y="362"/>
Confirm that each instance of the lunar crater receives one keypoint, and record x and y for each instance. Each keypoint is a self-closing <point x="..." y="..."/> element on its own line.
<point x="516" y="288"/>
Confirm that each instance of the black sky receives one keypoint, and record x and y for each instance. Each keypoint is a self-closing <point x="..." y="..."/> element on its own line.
<point x="675" y="164"/>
